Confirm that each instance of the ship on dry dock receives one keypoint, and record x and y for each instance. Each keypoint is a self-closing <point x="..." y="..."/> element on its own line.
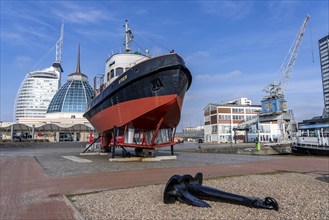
<point x="139" y="100"/>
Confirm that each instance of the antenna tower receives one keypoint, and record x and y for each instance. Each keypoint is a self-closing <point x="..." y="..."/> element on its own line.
<point x="59" y="45"/>
<point x="129" y="37"/>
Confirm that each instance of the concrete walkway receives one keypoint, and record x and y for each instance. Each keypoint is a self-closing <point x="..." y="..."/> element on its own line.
<point x="26" y="192"/>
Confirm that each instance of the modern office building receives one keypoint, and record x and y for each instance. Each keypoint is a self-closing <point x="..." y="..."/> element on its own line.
<point x="324" y="62"/>
<point x="221" y="119"/>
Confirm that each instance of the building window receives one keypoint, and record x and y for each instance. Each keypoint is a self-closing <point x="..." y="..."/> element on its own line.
<point x="237" y="110"/>
<point x="224" y="129"/>
<point x="211" y="109"/>
<point x="224" y="117"/>
<point x="214" y="129"/>
<point x="238" y="117"/>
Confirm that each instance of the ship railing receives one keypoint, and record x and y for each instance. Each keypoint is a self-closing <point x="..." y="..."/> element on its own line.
<point x="314" y="146"/>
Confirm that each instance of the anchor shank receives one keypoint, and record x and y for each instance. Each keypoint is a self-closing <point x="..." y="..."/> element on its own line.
<point x="209" y="193"/>
<point x="186" y="197"/>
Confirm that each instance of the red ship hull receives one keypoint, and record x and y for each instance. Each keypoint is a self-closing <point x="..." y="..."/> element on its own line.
<point x="143" y="113"/>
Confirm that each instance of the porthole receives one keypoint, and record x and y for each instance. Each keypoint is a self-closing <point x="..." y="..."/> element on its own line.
<point x="156" y="84"/>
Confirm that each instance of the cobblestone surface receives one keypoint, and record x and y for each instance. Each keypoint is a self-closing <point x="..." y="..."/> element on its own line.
<point x="299" y="196"/>
<point x="34" y="177"/>
<point x="55" y="165"/>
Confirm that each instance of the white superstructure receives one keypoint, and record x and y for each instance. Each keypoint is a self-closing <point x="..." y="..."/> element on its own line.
<point x="118" y="63"/>
<point x="38" y="88"/>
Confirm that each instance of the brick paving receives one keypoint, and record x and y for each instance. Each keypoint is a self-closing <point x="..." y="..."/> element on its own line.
<point x="26" y="192"/>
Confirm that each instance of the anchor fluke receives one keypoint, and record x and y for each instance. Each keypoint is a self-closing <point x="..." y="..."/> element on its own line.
<point x="176" y="190"/>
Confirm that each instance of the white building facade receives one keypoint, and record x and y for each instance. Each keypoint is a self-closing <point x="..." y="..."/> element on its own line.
<point x="221" y="119"/>
<point x="36" y="91"/>
<point x="324" y="62"/>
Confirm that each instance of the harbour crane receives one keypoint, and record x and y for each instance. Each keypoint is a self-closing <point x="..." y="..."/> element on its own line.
<point x="274" y="100"/>
<point x="274" y="106"/>
<point x="277" y="89"/>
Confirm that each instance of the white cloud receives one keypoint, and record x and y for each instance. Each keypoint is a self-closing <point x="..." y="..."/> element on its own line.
<point x="22" y="61"/>
<point x="305" y="86"/>
<point x="217" y="77"/>
<point x="81" y="14"/>
<point x="234" y="10"/>
<point x="196" y="56"/>
<point x="281" y="11"/>
<point x="141" y="11"/>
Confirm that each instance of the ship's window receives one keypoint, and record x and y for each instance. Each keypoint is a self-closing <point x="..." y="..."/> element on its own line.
<point x="119" y="71"/>
<point x="108" y="76"/>
<point x="112" y="73"/>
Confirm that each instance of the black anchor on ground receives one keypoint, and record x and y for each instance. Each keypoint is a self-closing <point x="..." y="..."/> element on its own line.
<point x="190" y="190"/>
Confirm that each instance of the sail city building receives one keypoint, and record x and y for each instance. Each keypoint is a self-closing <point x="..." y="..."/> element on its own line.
<point x="38" y="88"/>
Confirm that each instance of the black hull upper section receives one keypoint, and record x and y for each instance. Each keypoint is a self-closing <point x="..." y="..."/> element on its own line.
<point x="321" y="151"/>
<point x="159" y="76"/>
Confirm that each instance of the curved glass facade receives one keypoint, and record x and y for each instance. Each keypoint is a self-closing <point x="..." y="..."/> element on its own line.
<point x="36" y="92"/>
<point x="73" y="96"/>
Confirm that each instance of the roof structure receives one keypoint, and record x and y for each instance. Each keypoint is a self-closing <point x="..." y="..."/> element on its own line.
<point x="20" y="127"/>
<point x="74" y="95"/>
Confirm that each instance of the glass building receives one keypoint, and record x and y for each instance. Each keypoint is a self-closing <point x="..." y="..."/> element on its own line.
<point x="36" y="92"/>
<point x="72" y="98"/>
<point x="324" y="62"/>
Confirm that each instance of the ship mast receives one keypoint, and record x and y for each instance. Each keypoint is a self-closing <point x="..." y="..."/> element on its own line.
<point x="129" y="38"/>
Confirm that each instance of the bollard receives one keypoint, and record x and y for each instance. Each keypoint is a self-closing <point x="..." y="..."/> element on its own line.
<point x="258" y="146"/>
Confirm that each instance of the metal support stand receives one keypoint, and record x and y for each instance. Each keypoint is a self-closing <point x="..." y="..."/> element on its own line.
<point x="190" y="190"/>
<point x="92" y="144"/>
<point x="125" y="153"/>
<point x="172" y="149"/>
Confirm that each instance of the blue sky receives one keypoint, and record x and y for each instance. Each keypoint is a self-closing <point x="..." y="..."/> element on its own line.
<point x="233" y="48"/>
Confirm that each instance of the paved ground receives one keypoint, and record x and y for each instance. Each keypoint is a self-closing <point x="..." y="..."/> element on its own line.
<point x="34" y="177"/>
